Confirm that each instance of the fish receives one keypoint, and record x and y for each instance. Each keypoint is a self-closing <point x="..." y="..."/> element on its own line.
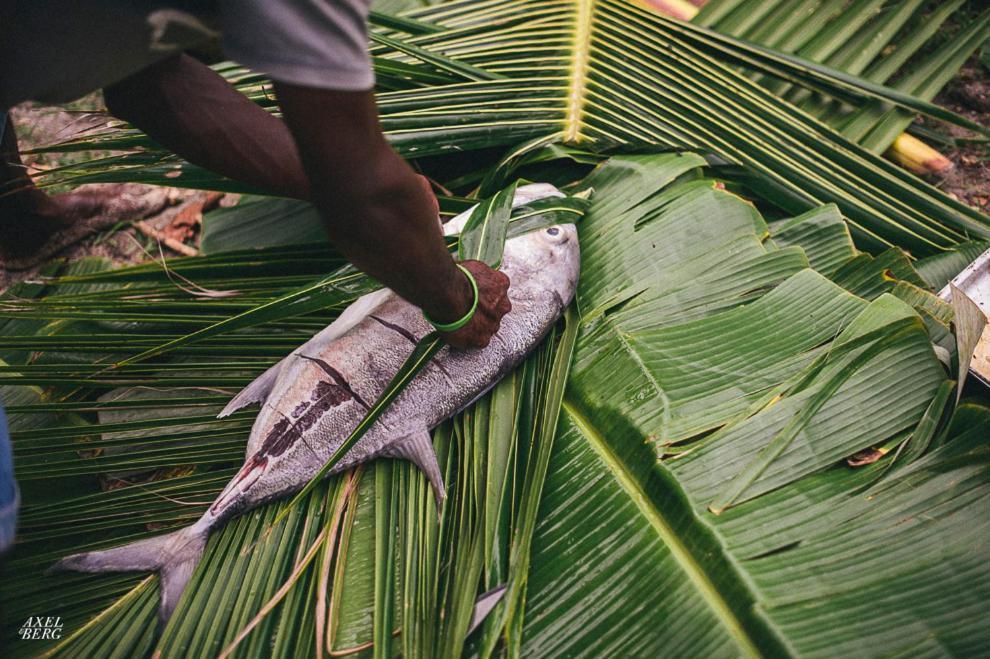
<point x="313" y="399"/>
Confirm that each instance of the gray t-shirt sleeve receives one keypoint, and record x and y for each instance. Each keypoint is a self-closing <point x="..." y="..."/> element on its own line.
<point x="311" y="43"/>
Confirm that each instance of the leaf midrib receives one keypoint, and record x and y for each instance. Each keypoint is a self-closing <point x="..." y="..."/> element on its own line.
<point x="691" y="567"/>
<point x="578" y="71"/>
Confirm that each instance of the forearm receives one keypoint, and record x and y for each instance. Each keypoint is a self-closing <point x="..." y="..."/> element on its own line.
<point x="376" y="209"/>
<point x="391" y="231"/>
<point x="186" y="106"/>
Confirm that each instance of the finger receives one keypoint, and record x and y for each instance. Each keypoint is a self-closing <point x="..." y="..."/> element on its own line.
<point x="493" y="314"/>
<point x="495" y="300"/>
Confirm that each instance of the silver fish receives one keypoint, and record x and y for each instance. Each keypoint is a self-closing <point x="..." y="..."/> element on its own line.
<point x="314" y="398"/>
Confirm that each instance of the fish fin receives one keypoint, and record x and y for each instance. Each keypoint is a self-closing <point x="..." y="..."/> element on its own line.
<point x="173" y="556"/>
<point x="417" y="447"/>
<point x="484" y="605"/>
<point x="355" y="312"/>
<point x="256" y="392"/>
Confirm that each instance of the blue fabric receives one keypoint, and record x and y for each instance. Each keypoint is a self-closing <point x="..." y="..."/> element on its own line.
<point x="9" y="496"/>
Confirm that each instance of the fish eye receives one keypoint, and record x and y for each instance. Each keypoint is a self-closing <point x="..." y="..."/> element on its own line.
<point x="553" y="231"/>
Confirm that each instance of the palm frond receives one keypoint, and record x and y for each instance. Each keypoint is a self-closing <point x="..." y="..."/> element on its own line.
<point x="608" y="75"/>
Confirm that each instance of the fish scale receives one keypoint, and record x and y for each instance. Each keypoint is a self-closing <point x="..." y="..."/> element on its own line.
<point x="313" y="399"/>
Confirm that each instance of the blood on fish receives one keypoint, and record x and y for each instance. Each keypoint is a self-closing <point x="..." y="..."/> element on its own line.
<point x="328" y="394"/>
<point x="255" y="462"/>
<point x="282" y="435"/>
<point x="337" y="377"/>
<point x="285" y="433"/>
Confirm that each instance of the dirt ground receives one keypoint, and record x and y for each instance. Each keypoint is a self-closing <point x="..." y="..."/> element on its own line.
<point x="969" y="95"/>
<point x="37" y="125"/>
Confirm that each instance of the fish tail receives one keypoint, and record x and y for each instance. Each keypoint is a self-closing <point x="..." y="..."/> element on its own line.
<point x="173" y="556"/>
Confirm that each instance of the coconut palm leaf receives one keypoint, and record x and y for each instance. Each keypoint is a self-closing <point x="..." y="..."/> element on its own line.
<point x="610" y="75"/>
<point x="870" y="38"/>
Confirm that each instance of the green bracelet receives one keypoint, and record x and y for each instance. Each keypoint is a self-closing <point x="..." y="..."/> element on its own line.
<point x="458" y="324"/>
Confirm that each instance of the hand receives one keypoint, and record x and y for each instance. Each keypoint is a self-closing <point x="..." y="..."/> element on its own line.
<point x="493" y="304"/>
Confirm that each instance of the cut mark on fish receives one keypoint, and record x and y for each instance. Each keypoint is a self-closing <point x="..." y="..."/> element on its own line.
<point x="397" y="328"/>
<point x="329" y="394"/>
<point x="282" y="435"/>
<point x="286" y="432"/>
<point x="338" y="378"/>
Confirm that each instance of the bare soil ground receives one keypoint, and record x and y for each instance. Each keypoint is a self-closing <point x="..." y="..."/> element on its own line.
<point x="969" y="95"/>
<point x="40" y="126"/>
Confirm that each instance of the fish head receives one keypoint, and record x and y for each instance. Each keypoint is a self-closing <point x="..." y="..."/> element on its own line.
<point x="548" y="259"/>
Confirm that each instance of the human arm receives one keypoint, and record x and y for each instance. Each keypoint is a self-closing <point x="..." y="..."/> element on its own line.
<point x="186" y="106"/>
<point x="377" y="211"/>
<point x="380" y="215"/>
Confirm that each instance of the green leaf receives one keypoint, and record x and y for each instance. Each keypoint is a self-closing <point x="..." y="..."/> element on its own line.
<point x="938" y="269"/>
<point x="613" y="75"/>
<point x="462" y="70"/>
<point x="698" y="342"/>
<point x="513" y="613"/>
<point x="385" y="541"/>
<point x="821" y="233"/>
<point x="483" y="236"/>
<point x="805" y="413"/>
<point x="261" y="222"/>
<point x="616" y="522"/>
<point x="919" y="441"/>
<point x="342" y="287"/>
<point x="969" y="321"/>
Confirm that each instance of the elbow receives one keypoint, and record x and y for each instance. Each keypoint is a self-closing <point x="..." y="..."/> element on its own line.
<point x="145" y="91"/>
<point x="119" y="103"/>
